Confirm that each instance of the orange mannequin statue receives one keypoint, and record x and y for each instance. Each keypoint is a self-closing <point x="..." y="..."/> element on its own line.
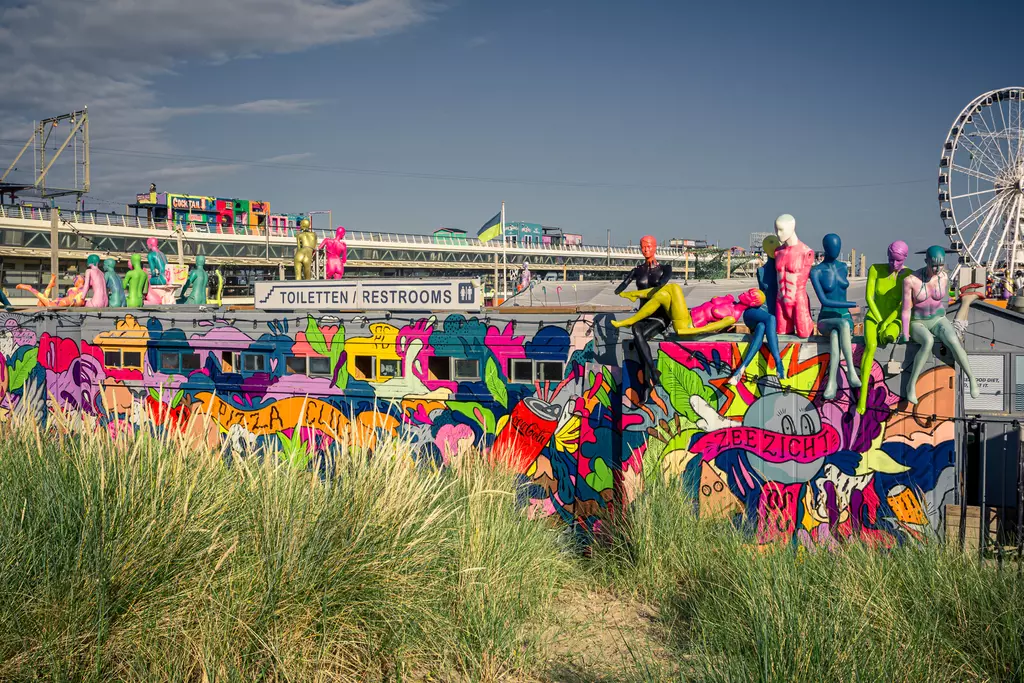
<point x="74" y="297"/>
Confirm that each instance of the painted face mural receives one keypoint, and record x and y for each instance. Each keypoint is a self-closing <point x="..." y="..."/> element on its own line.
<point x="771" y="455"/>
<point x="782" y="461"/>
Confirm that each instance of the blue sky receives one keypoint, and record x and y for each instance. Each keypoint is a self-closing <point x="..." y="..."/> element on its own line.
<point x="650" y="117"/>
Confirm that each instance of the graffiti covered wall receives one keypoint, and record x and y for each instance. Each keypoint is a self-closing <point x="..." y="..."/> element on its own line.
<point x="556" y="400"/>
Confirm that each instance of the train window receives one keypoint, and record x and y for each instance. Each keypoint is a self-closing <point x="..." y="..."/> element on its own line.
<point x="131" y="359"/>
<point x="112" y="359"/>
<point x="520" y="370"/>
<point x="467" y="368"/>
<point x="364" y="367"/>
<point x="190" y="361"/>
<point x="227" y="361"/>
<point x="550" y="371"/>
<point x="439" y="368"/>
<point x="253" y="362"/>
<point x="319" y="367"/>
<point x="169" y="361"/>
<point x="295" y="365"/>
<point x="390" y="367"/>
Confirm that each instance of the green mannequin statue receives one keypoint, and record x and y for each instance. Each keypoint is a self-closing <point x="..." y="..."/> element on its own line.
<point x="115" y="290"/>
<point x="885" y="302"/>
<point x="305" y="245"/>
<point x="136" y="283"/>
<point x="194" y="289"/>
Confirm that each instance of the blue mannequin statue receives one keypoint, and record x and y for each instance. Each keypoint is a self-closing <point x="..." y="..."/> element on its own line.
<point x="761" y="321"/>
<point x="830" y="283"/>
<point x="194" y="289"/>
<point x="157" y="263"/>
<point x="115" y="290"/>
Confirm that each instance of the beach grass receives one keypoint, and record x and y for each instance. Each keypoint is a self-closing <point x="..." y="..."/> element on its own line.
<point x="145" y="558"/>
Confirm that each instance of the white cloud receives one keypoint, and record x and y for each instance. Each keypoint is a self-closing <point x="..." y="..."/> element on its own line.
<point x="58" y="55"/>
<point x="255" y="107"/>
<point x="194" y="171"/>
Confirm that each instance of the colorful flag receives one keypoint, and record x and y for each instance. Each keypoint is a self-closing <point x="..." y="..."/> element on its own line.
<point x="490" y="229"/>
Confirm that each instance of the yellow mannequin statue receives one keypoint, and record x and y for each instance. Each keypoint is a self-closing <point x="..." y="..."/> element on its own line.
<point x="305" y="245"/>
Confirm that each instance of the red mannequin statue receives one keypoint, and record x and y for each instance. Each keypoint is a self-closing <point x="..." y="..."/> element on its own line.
<point x="793" y="261"/>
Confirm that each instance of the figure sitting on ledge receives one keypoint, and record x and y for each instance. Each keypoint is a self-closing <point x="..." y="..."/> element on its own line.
<point x="648" y="274"/>
<point x="74" y="297"/>
<point x="711" y="316"/>
<point x="925" y="293"/>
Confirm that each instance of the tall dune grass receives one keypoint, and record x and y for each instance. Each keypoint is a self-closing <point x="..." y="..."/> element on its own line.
<point x="147" y="559"/>
<point x="735" y="612"/>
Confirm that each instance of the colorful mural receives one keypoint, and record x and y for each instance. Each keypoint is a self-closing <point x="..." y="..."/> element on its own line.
<point x="549" y="399"/>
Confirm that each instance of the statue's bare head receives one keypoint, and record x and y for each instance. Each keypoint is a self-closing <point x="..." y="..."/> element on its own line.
<point x="785" y="227"/>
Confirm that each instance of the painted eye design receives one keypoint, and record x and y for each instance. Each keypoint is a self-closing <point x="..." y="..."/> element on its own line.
<point x="806" y="424"/>
<point x="788" y="427"/>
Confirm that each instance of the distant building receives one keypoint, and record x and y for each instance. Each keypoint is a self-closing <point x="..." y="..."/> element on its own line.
<point x="523" y="233"/>
<point x="556" y="237"/>
<point x="682" y="243"/>
<point x="450" y="236"/>
<point x="235" y="216"/>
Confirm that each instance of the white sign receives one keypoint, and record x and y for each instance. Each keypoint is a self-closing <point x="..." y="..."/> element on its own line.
<point x="989" y="374"/>
<point x="370" y="295"/>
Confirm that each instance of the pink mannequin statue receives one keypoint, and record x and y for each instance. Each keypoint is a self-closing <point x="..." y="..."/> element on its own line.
<point x="793" y="261"/>
<point x="95" y="284"/>
<point x="337" y="254"/>
<point x="722" y="307"/>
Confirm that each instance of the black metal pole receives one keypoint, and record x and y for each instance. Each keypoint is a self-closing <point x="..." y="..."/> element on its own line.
<point x="962" y="531"/>
<point x="1020" y="495"/>
<point x="983" y="526"/>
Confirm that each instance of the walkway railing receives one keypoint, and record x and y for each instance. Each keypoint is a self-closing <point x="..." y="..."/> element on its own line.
<point x="355" y="237"/>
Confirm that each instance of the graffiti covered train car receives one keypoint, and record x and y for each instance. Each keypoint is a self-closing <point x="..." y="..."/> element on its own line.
<point x="557" y="395"/>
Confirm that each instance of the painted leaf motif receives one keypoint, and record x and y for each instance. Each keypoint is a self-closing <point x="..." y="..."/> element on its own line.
<point x="608" y="378"/>
<point x="339" y="360"/>
<point x="22" y="369"/>
<point x="494" y="384"/>
<point x="315" y="337"/>
<point x="601" y="478"/>
<point x="476" y="412"/>
<point x="681" y="383"/>
<point x="177" y="398"/>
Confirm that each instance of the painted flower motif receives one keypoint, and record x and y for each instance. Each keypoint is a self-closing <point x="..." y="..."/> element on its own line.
<point x="857" y="431"/>
<point x="57" y="354"/>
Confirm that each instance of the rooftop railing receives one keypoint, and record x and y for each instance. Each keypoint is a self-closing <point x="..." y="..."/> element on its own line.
<point x="353" y="238"/>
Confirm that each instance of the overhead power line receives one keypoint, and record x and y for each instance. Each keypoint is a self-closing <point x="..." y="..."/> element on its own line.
<point x="488" y="179"/>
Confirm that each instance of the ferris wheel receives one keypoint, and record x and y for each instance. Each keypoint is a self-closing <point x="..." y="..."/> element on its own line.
<point x="981" y="181"/>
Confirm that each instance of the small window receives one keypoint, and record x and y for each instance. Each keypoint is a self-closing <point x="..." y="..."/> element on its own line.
<point x="439" y="368"/>
<point x="521" y="370"/>
<point x="131" y="359"/>
<point x="112" y="359"/>
<point x="227" y="361"/>
<point x="295" y="365"/>
<point x="190" y="361"/>
<point x="253" y="362"/>
<point x="364" y="367"/>
<point x="169" y="361"/>
<point x="550" y="371"/>
<point x="467" y="368"/>
<point x="320" y="367"/>
<point x="390" y="367"/>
